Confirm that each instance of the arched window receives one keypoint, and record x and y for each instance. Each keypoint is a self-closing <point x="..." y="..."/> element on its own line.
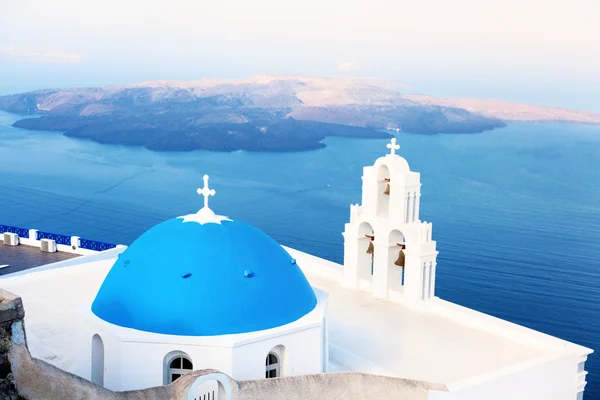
<point x="407" y="208"/>
<point x="272" y="366"/>
<point x="414" y="207"/>
<point x="97" y="360"/>
<point x="178" y="366"/>
<point x="423" y="281"/>
<point x="431" y="278"/>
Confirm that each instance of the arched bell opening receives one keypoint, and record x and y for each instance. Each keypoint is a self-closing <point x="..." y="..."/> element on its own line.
<point x="396" y="259"/>
<point x="383" y="191"/>
<point x="365" y="253"/>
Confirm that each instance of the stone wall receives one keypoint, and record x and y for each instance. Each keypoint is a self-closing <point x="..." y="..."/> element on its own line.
<point x="11" y="314"/>
<point x="25" y="377"/>
<point x="341" y="385"/>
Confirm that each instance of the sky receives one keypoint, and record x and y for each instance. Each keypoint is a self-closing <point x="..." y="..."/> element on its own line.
<point x="541" y="51"/>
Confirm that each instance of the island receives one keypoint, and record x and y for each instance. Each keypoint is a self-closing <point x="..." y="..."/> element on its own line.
<point x="265" y="113"/>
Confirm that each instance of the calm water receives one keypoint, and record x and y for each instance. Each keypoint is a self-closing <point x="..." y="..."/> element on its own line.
<point x="516" y="212"/>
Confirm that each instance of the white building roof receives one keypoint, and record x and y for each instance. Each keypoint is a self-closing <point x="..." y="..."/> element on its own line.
<point x="445" y="343"/>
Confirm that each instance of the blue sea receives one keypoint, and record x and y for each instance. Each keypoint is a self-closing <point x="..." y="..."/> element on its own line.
<point x="515" y="212"/>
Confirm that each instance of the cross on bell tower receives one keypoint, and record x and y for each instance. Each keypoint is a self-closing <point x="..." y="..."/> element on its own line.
<point x="205" y="191"/>
<point x="393" y="146"/>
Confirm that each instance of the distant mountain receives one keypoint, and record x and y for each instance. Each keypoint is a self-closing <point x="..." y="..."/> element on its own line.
<point x="509" y="111"/>
<point x="265" y="113"/>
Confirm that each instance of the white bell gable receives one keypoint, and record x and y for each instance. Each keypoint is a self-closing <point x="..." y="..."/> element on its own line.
<point x="385" y="224"/>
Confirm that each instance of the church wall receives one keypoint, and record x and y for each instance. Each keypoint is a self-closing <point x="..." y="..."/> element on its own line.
<point x="142" y="360"/>
<point x="551" y="379"/>
<point x="303" y="354"/>
<point x="143" y="363"/>
<point x="113" y="350"/>
<point x="113" y="375"/>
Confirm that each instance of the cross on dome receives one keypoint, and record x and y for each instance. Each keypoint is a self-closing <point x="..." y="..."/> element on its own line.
<point x="205" y="215"/>
<point x="205" y="191"/>
<point x="393" y="146"/>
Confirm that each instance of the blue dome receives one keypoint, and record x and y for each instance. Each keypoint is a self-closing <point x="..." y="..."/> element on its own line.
<point x="184" y="278"/>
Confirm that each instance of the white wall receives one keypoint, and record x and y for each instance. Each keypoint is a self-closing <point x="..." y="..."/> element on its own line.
<point x="143" y="363"/>
<point x="554" y="379"/>
<point x="303" y="355"/>
<point x="112" y="362"/>
<point x="132" y="365"/>
<point x="81" y="343"/>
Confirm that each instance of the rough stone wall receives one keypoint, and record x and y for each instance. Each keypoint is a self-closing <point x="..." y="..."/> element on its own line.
<point x="11" y="312"/>
<point x="341" y="385"/>
<point x="25" y="377"/>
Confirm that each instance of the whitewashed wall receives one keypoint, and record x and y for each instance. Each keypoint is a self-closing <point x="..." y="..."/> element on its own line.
<point x="143" y="363"/>
<point x="552" y="379"/>
<point x="131" y="365"/>
<point x="302" y="354"/>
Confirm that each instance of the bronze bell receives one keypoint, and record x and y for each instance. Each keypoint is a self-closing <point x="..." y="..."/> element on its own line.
<point x="371" y="249"/>
<point x="387" y="189"/>
<point x="400" y="261"/>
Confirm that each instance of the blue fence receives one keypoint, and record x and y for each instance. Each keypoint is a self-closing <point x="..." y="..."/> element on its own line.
<point x="60" y="239"/>
<point x="94" y="245"/>
<point x="24" y="233"/>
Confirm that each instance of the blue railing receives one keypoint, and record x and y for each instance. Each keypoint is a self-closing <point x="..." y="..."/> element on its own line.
<point x="94" y="245"/>
<point x="24" y="233"/>
<point x="60" y="239"/>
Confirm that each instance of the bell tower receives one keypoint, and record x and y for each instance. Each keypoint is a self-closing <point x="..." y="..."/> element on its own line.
<point x="388" y="250"/>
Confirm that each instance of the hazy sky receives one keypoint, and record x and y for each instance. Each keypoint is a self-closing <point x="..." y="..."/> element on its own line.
<point x="461" y="47"/>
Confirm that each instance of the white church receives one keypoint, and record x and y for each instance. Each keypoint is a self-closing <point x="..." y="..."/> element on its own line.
<point x="205" y="291"/>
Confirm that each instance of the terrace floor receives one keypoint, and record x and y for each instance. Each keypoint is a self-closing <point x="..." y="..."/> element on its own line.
<point x="21" y="257"/>
<point x="386" y="338"/>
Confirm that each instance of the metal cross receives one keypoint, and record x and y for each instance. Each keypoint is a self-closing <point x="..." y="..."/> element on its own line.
<point x="393" y="146"/>
<point x="205" y="191"/>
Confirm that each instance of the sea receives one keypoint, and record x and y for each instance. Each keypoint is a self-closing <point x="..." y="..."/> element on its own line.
<point x="515" y="211"/>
